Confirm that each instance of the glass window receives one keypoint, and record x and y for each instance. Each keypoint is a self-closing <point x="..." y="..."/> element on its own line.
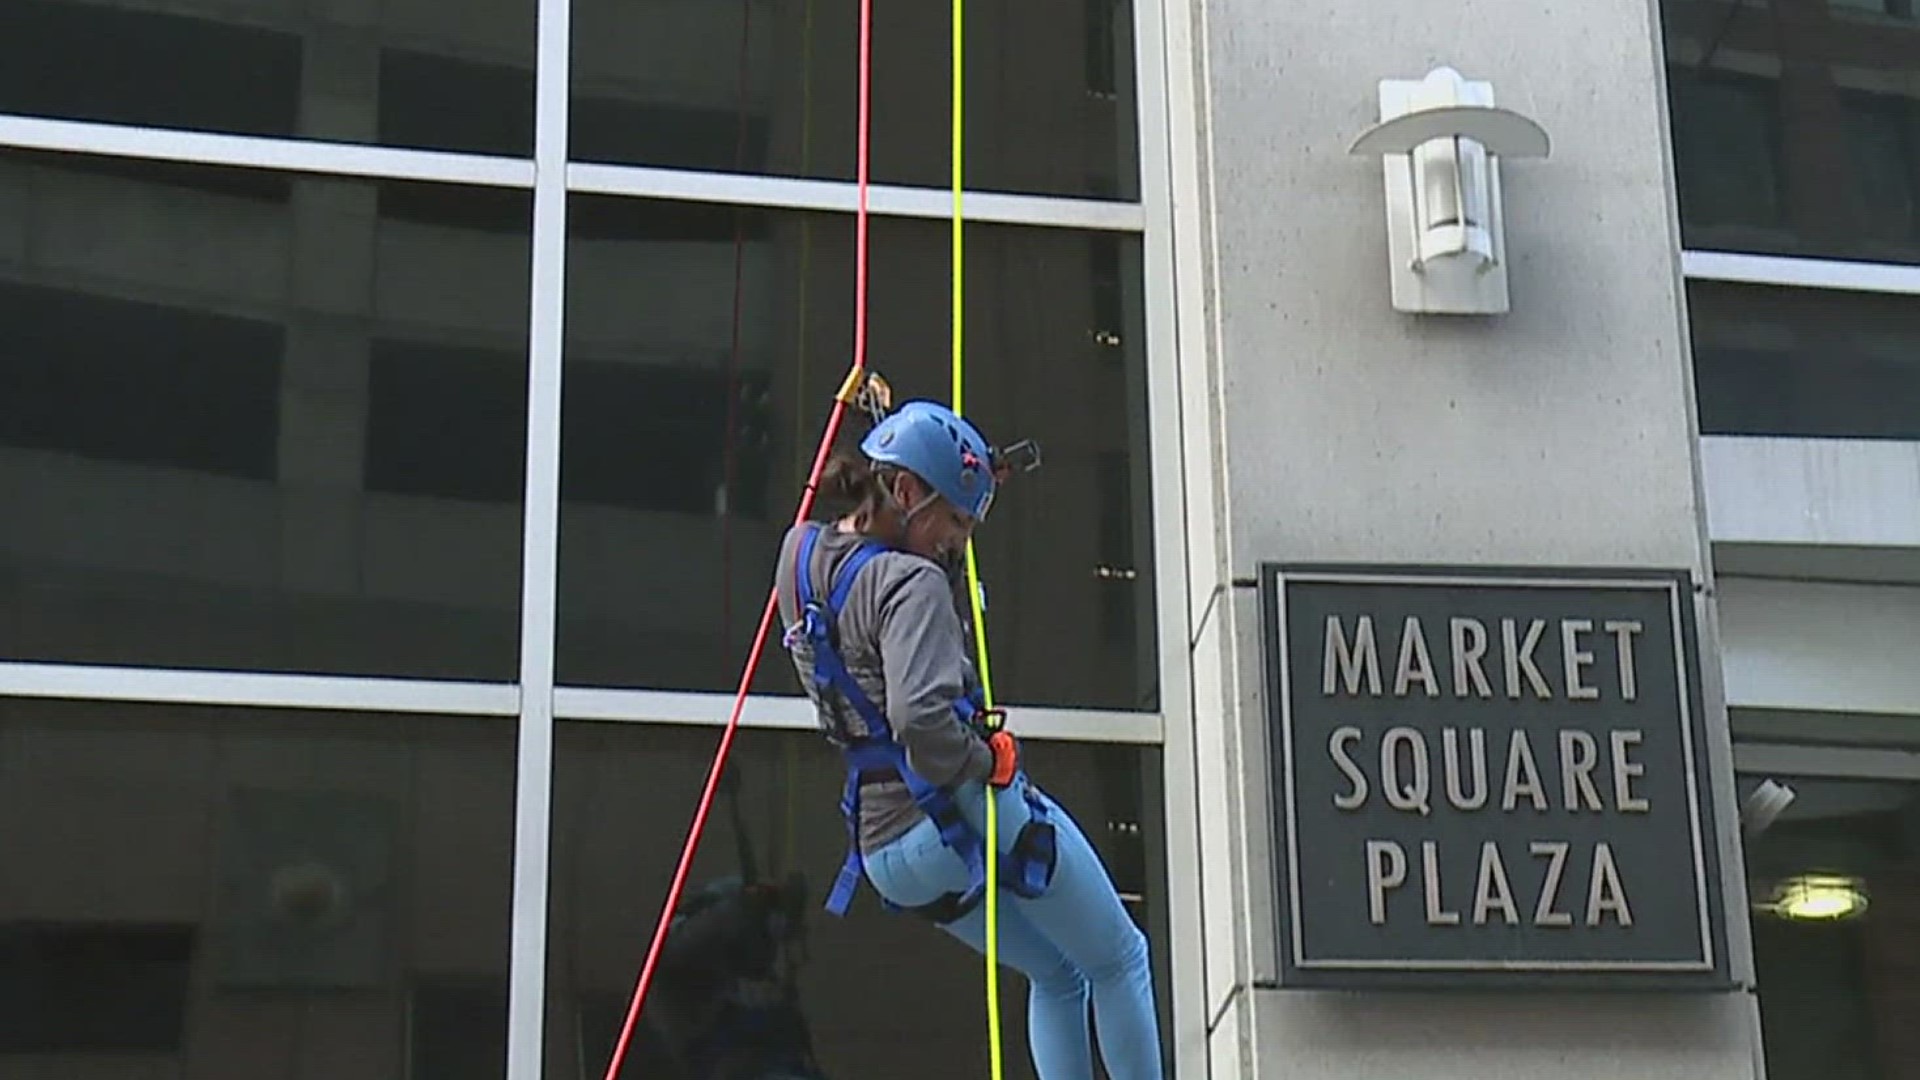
<point x="1854" y="8"/>
<point x="1726" y="138"/>
<point x="1835" y="883"/>
<point x="623" y="798"/>
<point x="406" y="73"/>
<point x="1804" y="362"/>
<point x="1050" y="100"/>
<point x="213" y="891"/>
<point x="1796" y="128"/>
<point x="1881" y="154"/>
<point x="704" y="345"/>
<point x="258" y="420"/>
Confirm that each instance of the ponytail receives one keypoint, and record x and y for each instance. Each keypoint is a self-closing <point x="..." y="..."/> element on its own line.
<point x="850" y="484"/>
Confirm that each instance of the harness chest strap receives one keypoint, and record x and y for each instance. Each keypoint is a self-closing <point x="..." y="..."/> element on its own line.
<point x="878" y="757"/>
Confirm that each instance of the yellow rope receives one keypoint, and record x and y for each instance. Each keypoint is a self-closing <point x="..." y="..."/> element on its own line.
<point x="959" y="320"/>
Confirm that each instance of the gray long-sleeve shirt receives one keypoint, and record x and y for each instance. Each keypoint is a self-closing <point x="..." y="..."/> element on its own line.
<point x="901" y="639"/>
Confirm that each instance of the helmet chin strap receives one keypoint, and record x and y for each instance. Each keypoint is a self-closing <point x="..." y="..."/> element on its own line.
<point x="953" y="562"/>
<point x="907" y="513"/>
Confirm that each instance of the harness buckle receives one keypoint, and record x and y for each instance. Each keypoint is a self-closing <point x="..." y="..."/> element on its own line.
<point x="811" y="627"/>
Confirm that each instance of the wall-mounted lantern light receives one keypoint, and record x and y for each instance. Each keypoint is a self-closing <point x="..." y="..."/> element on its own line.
<point x="1442" y="139"/>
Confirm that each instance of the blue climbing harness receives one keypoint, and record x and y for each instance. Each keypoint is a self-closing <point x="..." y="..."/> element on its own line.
<point x="876" y="757"/>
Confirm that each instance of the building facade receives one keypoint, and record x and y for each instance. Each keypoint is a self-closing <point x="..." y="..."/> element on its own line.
<point x="402" y="404"/>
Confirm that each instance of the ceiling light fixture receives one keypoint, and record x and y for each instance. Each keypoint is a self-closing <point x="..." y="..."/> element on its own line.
<point x="1819" y="898"/>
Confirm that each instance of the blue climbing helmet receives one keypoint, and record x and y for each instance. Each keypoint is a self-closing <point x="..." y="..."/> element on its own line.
<point x="940" y="447"/>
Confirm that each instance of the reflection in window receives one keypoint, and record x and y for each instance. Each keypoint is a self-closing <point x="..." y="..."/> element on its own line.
<point x="1725" y="135"/>
<point x="1880" y="147"/>
<point x="701" y="362"/>
<point x="622" y="799"/>
<point x="453" y="103"/>
<point x="1793" y="126"/>
<point x="445" y="421"/>
<point x="457" y="1030"/>
<point x="214" y="892"/>
<point x="1117" y="524"/>
<point x="640" y="437"/>
<point x="120" y="64"/>
<point x="1103" y="58"/>
<point x="82" y="376"/>
<point x="78" y="988"/>
<point x="407" y="73"/>
<point x="764" y="88"/>
<point x="1805" y="363"/>
<point x="261" y="421"/>
<point x="1835" y="882"/>
<point x="1843" y="8"/>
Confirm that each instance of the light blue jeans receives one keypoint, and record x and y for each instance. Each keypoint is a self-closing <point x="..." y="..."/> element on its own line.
<point x="1074" y="941"/>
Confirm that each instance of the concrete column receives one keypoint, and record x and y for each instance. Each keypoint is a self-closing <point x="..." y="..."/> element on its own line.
<point x="324" y="384"/>
<point x="1322" y="425"/>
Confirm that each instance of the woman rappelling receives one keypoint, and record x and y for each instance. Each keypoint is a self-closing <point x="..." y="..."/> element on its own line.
<point x="879" y="646"/>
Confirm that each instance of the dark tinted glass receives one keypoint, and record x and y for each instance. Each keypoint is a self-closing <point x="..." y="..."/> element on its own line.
<point x="209" y="892"/>
<point x="1839" y="988"/>
<point x="408" y="73"/>
<point x="880" y="994"/>
<point x="256" y="420"/>
<point x="1795" y="126"/>
<point x="1804" y="362"/>
<point x="750" y="87"/>
<point x="704" y="346"/>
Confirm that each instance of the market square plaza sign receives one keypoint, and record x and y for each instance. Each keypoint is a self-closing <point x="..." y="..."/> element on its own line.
<point x="1492" y="778"/>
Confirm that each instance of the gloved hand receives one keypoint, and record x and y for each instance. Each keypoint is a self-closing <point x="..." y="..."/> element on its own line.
<point x="1006" y="757"/>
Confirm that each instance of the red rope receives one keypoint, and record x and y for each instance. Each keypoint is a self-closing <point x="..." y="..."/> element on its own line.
<point x="834" y="419"/>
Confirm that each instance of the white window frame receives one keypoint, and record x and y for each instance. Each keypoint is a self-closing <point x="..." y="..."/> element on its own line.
<point x="534" y="700"/>
<point x="1793" y="272"/>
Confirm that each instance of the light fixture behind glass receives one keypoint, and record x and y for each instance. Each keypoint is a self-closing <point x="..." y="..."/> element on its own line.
<point x="1815" y="897"/>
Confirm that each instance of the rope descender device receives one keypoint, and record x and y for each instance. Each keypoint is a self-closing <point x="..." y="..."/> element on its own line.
<point x="866" y="391"/>
<point x="1023" y="456"/>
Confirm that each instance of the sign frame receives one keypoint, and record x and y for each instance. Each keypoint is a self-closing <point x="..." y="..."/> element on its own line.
<point x="1711" y="973"/>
